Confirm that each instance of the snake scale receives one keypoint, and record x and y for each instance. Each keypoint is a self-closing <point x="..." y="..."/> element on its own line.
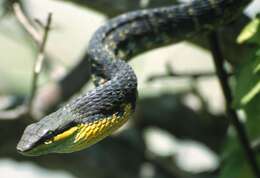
<point x="94" y="115"/>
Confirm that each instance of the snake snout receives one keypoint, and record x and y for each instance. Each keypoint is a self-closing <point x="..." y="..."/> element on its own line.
<point x="29" y="138"/>
<point x="21" y="147"/>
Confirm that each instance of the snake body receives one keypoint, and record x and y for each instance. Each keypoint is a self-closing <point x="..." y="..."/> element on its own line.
<point x="96" y="114"/>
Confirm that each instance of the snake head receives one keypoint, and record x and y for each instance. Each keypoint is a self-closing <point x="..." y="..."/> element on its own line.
<point x="61" y="132"/>
<point x="38" y="137"/>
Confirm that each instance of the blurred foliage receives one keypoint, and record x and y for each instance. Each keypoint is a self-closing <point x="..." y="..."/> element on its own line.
<point x="247" y="99"/>
<point x="6" y="6"/>
<point x="248" y="73"/>
<point x="247" y="91"/>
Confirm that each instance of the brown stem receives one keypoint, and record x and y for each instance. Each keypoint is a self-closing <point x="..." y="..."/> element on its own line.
<point x="24" y="21"/>
<point x="39" y="61"/>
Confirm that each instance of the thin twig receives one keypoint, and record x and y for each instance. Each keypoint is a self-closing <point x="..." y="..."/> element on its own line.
<point x="39" y="61"/>
<point x="14" y="114"/>
<point x="21" y="17"/>
<point x="182" y="75"/>
<point x="223" y="78"/>
<point x="171" y="73"/>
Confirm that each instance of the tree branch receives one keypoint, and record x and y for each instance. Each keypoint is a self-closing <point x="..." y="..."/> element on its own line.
<point x="39" y="61"/>
<point x="170" y="72"/>
<point x="14" y="114"/>
<point x="25" y="22"/>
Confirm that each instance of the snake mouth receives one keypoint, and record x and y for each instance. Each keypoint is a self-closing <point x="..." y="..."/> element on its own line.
<point x="37" y="139"/>
<point x="29" y="150"/>
<point x="22" y="149"/>
<point x="25" y="149"/>
<point x="25" y="145"/>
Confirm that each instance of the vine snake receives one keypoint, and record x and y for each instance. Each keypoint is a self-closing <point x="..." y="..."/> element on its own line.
<point x="92" y="116"/>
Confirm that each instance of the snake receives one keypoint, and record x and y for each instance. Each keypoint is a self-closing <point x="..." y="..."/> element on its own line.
<point x="96" y="114"/>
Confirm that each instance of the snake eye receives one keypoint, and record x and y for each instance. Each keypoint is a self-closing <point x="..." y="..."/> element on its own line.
<point x="49" y="132"/>
<point x="48" y="135"/>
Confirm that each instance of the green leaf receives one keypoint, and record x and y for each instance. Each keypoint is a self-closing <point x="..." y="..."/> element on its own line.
<point x="248" y="82"/>
<point x="234" y="163"/>
<point x="251" y="32"/>
<point x="257" y="67"/>
<point x="246" y="97"/>
<point x="252" y="111"/>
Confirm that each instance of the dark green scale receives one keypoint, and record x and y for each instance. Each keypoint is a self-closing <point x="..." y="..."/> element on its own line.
<point x="117" y="42"/>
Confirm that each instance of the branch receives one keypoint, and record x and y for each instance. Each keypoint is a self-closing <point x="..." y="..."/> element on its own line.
<point x="223" y="79"/>
<point x="194" y="75"/>
<point x="24" y="20"/>
<point x="170" y="72"/>
<point x="39" y="61"/>
<point x="14" y="114"/>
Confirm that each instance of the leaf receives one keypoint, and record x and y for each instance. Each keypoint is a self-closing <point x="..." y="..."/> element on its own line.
<point x="246" y="97"/>
<point x="248" y="82"/>
<point x="235" y="164"/>
<point x="257" y="68"/>
<point x="251" y="32"/>
<point x="252" y="111"/>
